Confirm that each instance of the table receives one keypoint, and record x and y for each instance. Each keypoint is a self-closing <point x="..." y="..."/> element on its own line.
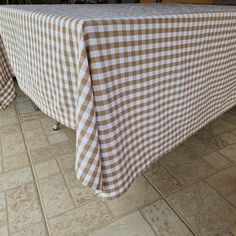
<point x="134" y="81"/>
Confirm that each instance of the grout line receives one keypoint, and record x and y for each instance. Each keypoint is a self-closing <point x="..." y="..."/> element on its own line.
<point x="33" y="171"/>
<point x="64" y="179"/>
<point x="180" y="216"/>
<point x="7" y="213"/>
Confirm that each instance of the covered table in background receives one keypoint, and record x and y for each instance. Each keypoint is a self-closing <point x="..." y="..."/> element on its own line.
<point x="134" y="81"/>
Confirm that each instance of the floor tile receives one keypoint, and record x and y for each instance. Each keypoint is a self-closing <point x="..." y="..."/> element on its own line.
<point x="197" y="147"/>
<point x="233" y="132"/>
<point x="38" y="229"/>
<point x="82" y="194"/>
<point x="232" y="230"/>
<point x="79" y="220"/>
<point x="204" y="209"/>
<point x="221" y="141"/>
<point x="31" y="125"/>
<point x="46" y="168"/>
<point x="15" y="178"/>
<point x="67" y="164"/>
<point x="140" y="194"/>
<point x="3" y="215"/>
<point x="24" y="105"/>
<point x="27" y="109"/>
<point x="8" y="117"/>
<point x="186" y="166"/>
<point x="162" y="179"/>
<point x="36" y="139"/>
<point x="229" y="118"/>
<point x="52" y="151"/>
<point x="13" y="144"/>
<point x="216" y="160"/>
<point x="15" y="161"/>
<point x="224" y="182"/>
<point x="55" y="195"/>
<point x="219" y="126"/>
<point x="232" y="198"/>
<point x="23" y="207"/>
<point x="131" y="225"/>
<point x="229" y="152"/>
<point x="11" y="129"/>
<point x="58" y="138"/>
<point x="233" y="111"/>
<point x="164" y="221"/>
<point x="1" y="159"/>
<point x="19" y="92"/>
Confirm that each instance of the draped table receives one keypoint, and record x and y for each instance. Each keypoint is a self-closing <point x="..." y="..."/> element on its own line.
<point x="134" y="81"/>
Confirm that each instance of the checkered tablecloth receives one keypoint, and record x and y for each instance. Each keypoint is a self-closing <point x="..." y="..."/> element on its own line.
<point x="134" y="81"/>
<point x="7" y="90"/>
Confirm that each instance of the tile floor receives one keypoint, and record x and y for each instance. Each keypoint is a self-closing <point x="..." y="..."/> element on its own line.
<point x="190" y="191"/>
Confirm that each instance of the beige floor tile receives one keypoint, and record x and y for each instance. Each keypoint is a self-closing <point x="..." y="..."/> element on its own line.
<point x="3" y="215"/>
<point x="58" y="138"/>
<point x="23" y="207"/>
<point x="79" y="220"/>
<point x="197" y="147"/>
<point x="221" y="141"/>
<point x="204" y="209"/>
<point x="36" y="139"/>
<point x="216" y="160"/>
<point x="24" y="105"/>
<point x="55" y="195"/>
<point x="131" y="225"/>
<point x="52" y="151"/>
<point x="31" y="125"/>
<point x="1" y="159"/>
<point x="233" y="132"/>
<point x="229" y="152"/>
<point x="27" y="109"/>
<point x="71" y="134"/>
<point x="164" y="221"/>
<point x="19" y="92"/>
<point x="8" y="117"/>
<point x="216" y="127"/>
<point x="13" y="144"/>
<point x="232" y="198"/>
<point x="15" y="178"/>
<point x="233" y="111"/>
<point x="186" y="166"/>
<point x="232" y="230"/>
<point x="219" y="126"/>
<point x="140" y="194"/>
<point x="11" y="129"/>
<point x="82" y="194"/>
<point x="229" y="118"/>
<point x="67" y="164"/>
<point x="46" y="168"/>
<point x="162" y="179"/>
<point x="15" y="161"/>
<point x="224" y="182"/>
<point x="38" y="229"/>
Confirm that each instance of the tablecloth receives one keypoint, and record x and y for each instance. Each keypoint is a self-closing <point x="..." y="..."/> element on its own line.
<point x="134" y="81"/>
<point x="7" y="90"/>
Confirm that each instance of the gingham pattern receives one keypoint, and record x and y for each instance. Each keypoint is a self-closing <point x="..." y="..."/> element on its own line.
<point x="132" y="87"/>
<point x="7" y="90"/>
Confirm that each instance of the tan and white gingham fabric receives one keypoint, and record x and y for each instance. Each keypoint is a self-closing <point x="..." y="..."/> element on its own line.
<point x="7" y="90"/>
<point x="134" y="81"/>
